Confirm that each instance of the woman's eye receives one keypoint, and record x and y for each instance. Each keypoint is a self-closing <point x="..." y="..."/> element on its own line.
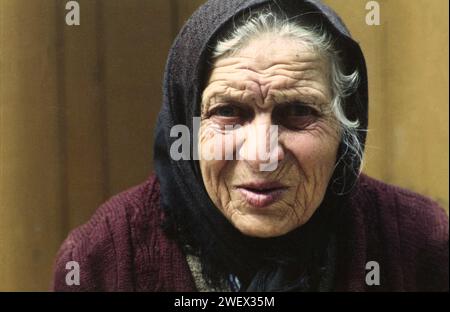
<point x="299" y="110"/>
<point x="230" y="114"/>
<point x="295" y="115"/>
<point x="227" y="111"/>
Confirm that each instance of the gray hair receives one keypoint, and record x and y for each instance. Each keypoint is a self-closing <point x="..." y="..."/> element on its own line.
<point x="319" y="41"/>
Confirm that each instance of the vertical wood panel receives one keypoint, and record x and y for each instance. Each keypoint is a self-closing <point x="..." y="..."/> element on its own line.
<point x="138" y="35"/>
<point x="407" y="58"/>
<point x="85" y="143"/>
<point x="418" y="96"/>
<point x="30" y="167"/>
<point x="373" y="43"/>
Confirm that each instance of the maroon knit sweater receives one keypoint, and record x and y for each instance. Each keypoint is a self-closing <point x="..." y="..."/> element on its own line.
<point x="122" y="247"/>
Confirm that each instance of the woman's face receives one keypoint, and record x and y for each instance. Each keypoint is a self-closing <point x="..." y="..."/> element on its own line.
<point x="271" y="81"/>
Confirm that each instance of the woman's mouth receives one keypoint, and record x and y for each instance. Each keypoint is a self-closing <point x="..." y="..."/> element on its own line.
<point x="261" y="194"/>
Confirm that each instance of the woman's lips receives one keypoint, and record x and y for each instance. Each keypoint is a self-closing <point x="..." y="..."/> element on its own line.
<point x="261" y="194"/>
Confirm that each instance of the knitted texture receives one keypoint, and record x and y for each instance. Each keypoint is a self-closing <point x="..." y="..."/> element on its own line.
<point x="123" y="248"/>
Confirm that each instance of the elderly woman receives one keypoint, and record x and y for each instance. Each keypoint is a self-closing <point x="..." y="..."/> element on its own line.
<point x="285" y="78"/>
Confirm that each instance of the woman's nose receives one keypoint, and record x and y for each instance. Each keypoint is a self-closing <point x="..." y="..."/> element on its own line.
<point x="261" y="149"/>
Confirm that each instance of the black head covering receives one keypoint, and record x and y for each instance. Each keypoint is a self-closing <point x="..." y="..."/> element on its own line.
<point x="192" y="217"/>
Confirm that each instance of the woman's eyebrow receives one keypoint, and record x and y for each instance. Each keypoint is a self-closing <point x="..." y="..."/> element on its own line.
<point x="307" y="94"/>
<point x="313" y="99"/>
<point x="295" y="95"/>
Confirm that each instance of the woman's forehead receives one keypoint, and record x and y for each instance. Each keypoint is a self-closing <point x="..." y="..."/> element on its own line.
<point x="259" y="73"/>
<point x="266" y="51"/>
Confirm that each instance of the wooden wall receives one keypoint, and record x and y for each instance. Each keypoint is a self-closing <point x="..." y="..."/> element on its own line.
<point x="407" y="57"/>
<point x="78" y="106"/>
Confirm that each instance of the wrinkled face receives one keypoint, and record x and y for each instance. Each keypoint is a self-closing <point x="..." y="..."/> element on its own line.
<point x="271" y="81"/>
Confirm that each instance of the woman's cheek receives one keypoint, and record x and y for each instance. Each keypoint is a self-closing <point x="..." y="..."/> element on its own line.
<point x="316" y="157"/>
<point x="213" y="148"/>
<point x="214" y="142"/>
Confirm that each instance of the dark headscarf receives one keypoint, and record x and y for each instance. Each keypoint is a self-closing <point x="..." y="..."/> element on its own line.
<point x="297" y="260"/>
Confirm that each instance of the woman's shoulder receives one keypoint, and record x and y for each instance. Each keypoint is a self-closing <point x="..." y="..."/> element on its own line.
<point x="409" y="229"/>
<point x="117" y="249"/>
<point x="408" y="206"/>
